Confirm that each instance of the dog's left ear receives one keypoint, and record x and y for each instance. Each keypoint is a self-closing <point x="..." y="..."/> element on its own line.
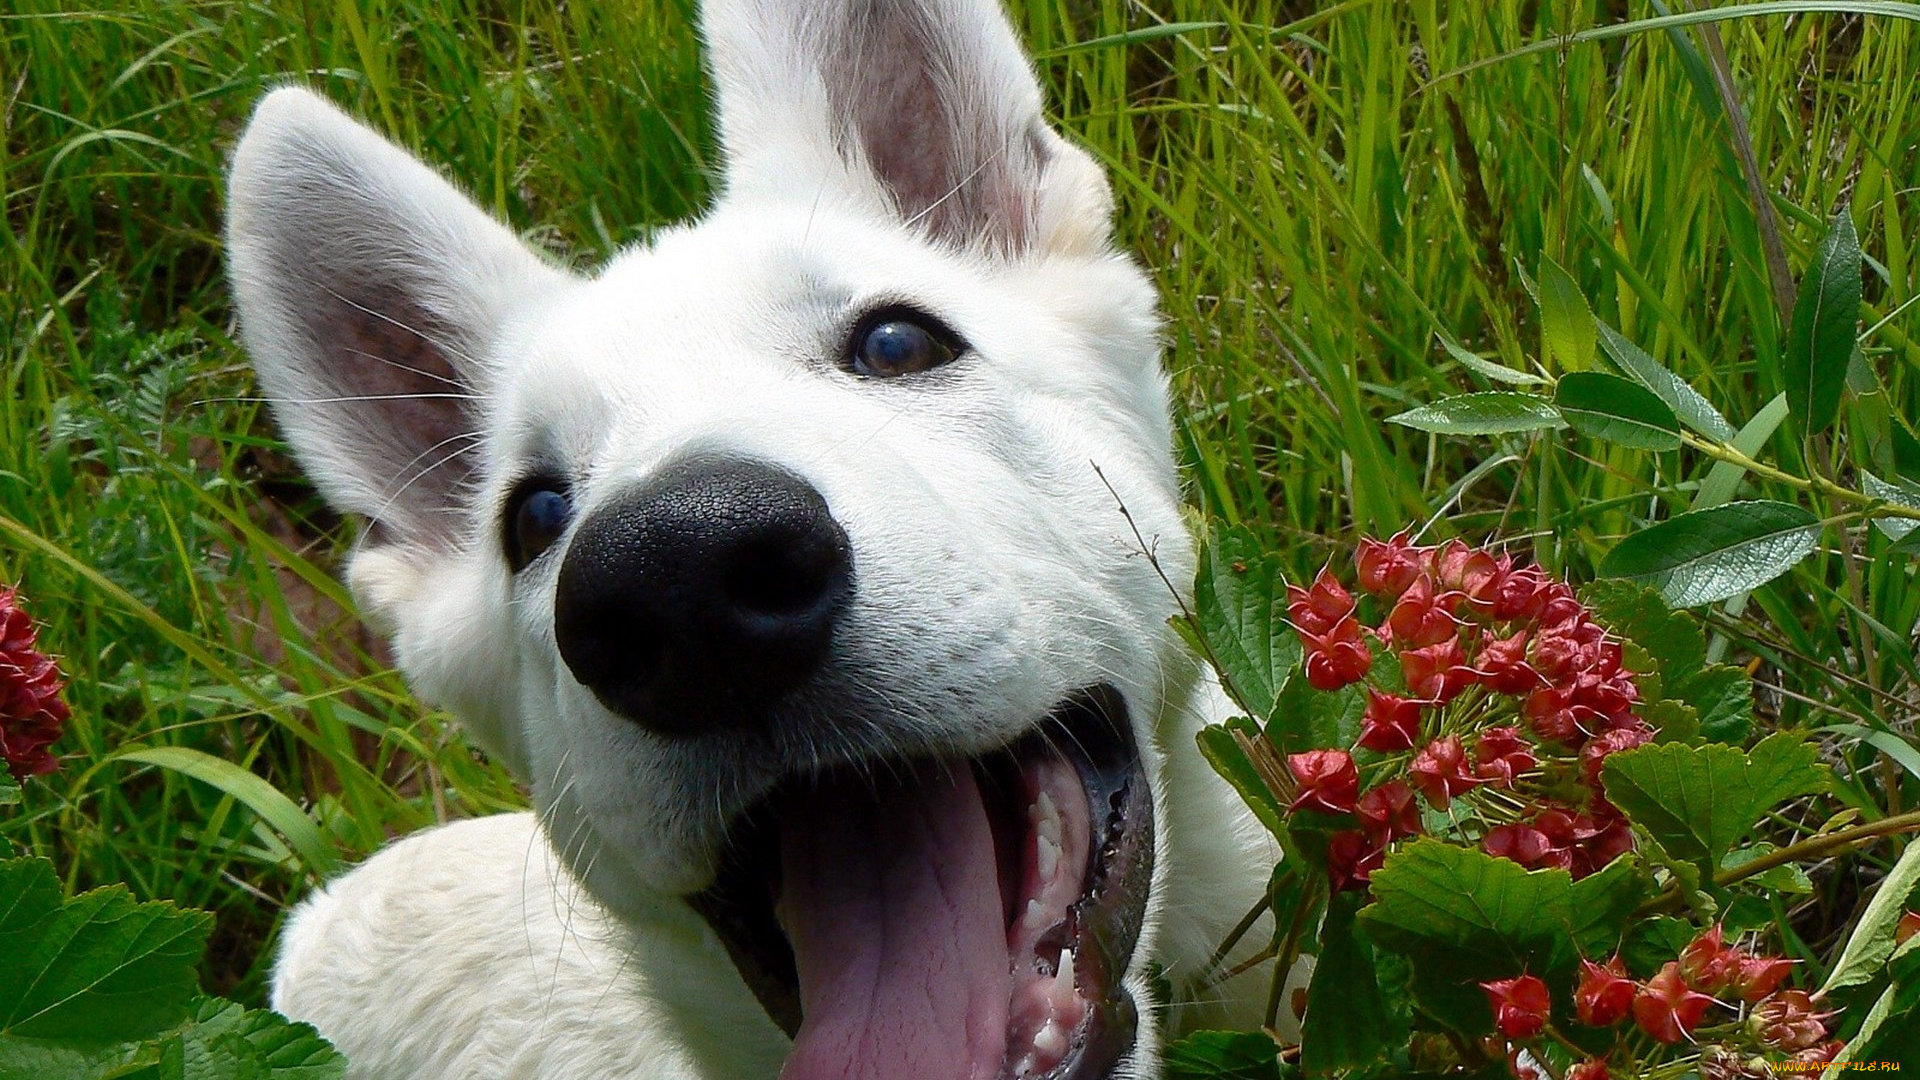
<point x="921" y="110"/>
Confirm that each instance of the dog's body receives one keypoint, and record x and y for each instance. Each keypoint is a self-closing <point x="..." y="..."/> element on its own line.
<point x="786" y="559"/>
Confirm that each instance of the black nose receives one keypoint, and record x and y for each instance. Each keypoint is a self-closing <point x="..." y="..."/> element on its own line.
<point x="704" y="596"/>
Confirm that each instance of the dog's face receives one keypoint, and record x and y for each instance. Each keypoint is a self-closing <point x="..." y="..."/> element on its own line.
<point x="796" y="560"/>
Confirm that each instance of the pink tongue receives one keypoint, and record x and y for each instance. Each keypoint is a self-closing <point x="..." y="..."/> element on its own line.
<point x="892" y="902"/>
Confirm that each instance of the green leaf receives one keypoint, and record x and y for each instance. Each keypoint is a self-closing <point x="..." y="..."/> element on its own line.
<point x="1687" y="404"/>
<point x="1890" y="743"/>
<point x="1872" y="942"/>
<point x="226" y="1041"/>
<point x="95" y="970"/>
<point x="252" y="791"/>
<point x="1698" y="802"/>
<point x="1487" y="368"/>
<point x="1463" y="917"/>
<point x="1565" y="319"/>
<point x="1495" y="412"/>
<point x="1724" y="478"/>
<point x="33" y="1059"/>
<point x="1704" y="556"/>
<point x="1890" y="1031"/>
<point x="1239" y="599"/>
<point x="1309" y="719"/>
<point x="1722" y="695"/>
<point x="1899" y="493"/>
<point x="1609" y="408"/>
<point x="1785" y="878"/>
<point x="1348" y="1025"/>
<point x="1826" y="319"/>
<point x="1223" y="1055"/>
<point x="1229" y="758"/>
<point x="1649" y="943"/>
<point x="1602" y="904"/>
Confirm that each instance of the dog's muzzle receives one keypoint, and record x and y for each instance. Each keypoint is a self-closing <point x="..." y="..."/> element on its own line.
<point x="702" y="597"/>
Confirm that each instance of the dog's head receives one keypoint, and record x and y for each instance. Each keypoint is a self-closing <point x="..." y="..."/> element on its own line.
<point x="797" y="558"/>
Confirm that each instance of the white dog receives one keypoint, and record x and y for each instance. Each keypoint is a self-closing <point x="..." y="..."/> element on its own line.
<point x="785" y="559"/>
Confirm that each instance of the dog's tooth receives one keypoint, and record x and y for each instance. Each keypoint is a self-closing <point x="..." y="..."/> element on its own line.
<point x="1026" y="1065"/>
<point x="1063" y="979"/>
<point x="1036" y="917"/>
<point x="1045" y="814"/>
<point x="1049" y="857"/>
<point x="1051" y="1040"/>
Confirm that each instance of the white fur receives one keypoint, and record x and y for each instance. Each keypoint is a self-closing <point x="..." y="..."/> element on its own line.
<point x="996" y="571"/>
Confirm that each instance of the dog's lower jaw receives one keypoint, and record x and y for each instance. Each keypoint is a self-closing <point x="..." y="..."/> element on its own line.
<point x="402" y="964"/>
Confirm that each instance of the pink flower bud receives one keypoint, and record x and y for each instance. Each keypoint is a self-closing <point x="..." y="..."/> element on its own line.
<point x="1389" y="812"/>
<point x="1520" y="1005"/>
<point x="1322" y="606"/>
<point x="1667" y="1008"/>
<point x="32" y="714"/>
<point x="1328" y="780"/>
<point x="1391" y="723"/>
<point x="1385" y="570"/>
<point x="1440" y="771"/>
<point x="1789" y="1020"/>
<point x="1605" y="994"/>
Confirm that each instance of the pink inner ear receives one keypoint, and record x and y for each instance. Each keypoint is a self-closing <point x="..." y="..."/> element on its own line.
<point x="399" y="398"/>
<point x="933" y="129"/>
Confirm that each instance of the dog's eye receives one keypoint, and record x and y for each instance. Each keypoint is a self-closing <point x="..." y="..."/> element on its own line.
<point x="537" y="515"/>
<point x="901" y="343"/>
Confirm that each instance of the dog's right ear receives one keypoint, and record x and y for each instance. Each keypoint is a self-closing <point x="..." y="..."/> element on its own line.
<point x="370" y="292"/>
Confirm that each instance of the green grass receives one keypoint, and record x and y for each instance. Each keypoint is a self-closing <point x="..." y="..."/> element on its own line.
<point x="1314" y="208"/>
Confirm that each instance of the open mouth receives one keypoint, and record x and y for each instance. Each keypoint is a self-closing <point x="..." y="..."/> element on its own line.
<point x="965" y="918"/>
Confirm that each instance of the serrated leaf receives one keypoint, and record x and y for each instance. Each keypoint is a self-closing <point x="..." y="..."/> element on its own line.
<point x="1487" y="368"/>
<point x="1495" y="412"/>
<point x="1687" y="403"/>
<point x="1698" y="802"/>
<point x="1230" y="760"/>
<point x="1609" y="408"/>
<point x="1223" y="1055"/>
<point x="1722" y="695"/>
<point x="227" y="1041"/>
<point x="1239" y="599"/>
<point x="96" y="970"/>
<point x="1826" y="319"/>
<point x="1872" y="941"/>
<point x="1638" y="614"/>
<point x="1565" y="319"/>
<point x="1897" y="492"/>
<point x="1348" y="1024"/>
<point x="1704" y="556"/>
<point x="1462" y="917"/>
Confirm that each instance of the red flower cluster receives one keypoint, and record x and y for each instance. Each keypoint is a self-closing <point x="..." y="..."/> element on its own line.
<point x="1669" y="1006"/>
<point x="1543" y="696"/>
<point x="31" y="712"/>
